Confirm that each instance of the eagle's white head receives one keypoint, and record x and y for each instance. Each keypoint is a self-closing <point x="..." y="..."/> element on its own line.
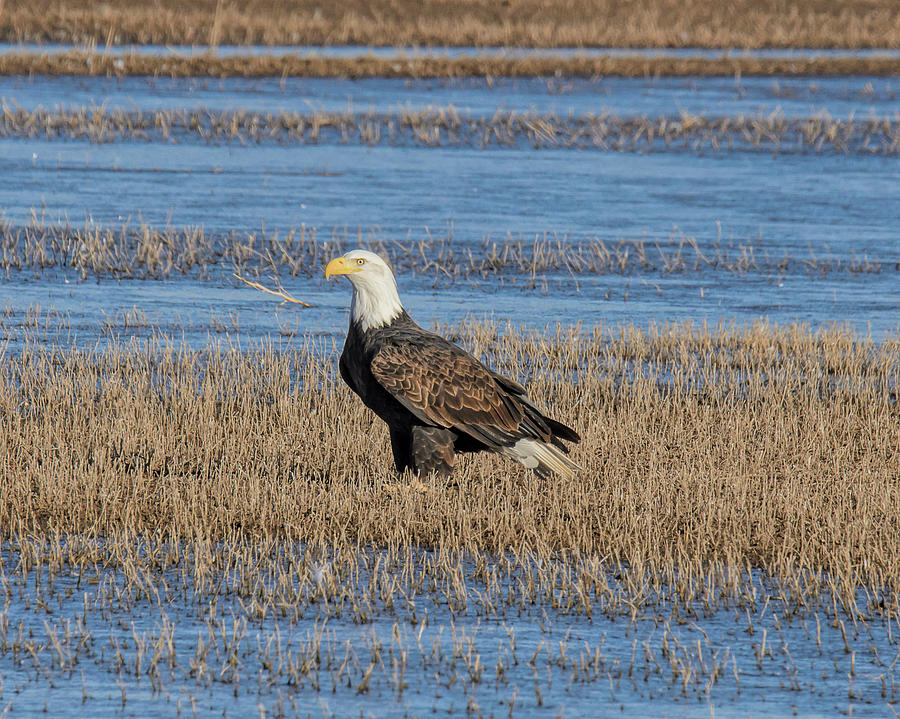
<point x="375" y="299"/>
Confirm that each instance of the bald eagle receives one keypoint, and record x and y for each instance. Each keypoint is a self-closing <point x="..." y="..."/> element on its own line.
<point x="435" y="397"/>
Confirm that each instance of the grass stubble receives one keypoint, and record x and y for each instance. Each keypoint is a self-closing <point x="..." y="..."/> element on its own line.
<point x="442" y="127"/>
<point x="526" y="23"/>
<point x="725" y="468"/>
<point x="113" y="64"/>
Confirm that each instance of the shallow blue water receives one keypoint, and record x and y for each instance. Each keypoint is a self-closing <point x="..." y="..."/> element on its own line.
<point x="712" y="96"/>
<point x="758" y="658"/>
<point x="822" y="227"/>
<point x="438" y="51"/>
<point x="202" y="312"/>
<point x="793" y="203"/>
<point x="805" y="208"/>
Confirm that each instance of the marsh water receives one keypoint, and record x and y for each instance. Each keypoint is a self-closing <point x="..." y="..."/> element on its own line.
<point x="821" y="230"/>
<point x="93" y="640"/>
<point x="437" y="51"/>
<point x="821" y="225"/>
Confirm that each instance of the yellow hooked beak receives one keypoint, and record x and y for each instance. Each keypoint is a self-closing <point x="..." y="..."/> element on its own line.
<point x="338" y="266"/>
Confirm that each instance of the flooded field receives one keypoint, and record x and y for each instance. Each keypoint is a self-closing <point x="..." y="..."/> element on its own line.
<point x="198" y="519"/>
<point x="414" y="634"/>
<point x="217" y="531"/>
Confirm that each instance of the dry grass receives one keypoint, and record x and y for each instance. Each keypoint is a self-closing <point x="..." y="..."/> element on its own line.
<point x="446" y="127"/>
<point x="143" y="251"/>
<point x="767" y="446"/>
<point x="112" y="65"/>
<point x="538" y="23"/>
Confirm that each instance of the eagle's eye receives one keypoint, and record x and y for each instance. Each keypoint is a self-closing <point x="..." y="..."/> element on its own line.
<point x="360" y="261"/>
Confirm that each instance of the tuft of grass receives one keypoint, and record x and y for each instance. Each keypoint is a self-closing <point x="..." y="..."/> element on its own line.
<point x="142" y="251"/>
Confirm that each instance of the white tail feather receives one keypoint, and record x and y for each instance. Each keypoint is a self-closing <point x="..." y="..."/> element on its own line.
<point x="542" y="457"/>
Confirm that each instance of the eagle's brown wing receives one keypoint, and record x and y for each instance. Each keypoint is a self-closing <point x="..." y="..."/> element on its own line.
<point x="444" y="386"/>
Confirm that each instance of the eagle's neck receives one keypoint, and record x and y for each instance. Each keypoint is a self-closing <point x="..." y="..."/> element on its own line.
<point x="375" y="303"/>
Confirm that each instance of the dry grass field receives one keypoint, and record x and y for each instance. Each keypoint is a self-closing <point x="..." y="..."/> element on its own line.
<point x="100" y="63"/>
<point x="707" y="451"/>
<point x="537" y="23"/>
<point x="219" y="527"/>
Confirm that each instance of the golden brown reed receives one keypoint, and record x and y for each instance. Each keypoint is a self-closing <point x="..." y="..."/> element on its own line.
<point x="139" y="250"/>
<point x="208" y="65"/>
<point x="705" y="450"/>
<point x="447" y="127"/>
<point x="536" y="23"/>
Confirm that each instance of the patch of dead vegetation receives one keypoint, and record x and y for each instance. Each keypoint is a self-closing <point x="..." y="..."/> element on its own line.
<point x="100" y="63"/>
<point x="762" y="446"/>
<point x="526" y="23"/>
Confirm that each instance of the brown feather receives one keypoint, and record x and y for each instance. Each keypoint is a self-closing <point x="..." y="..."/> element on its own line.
<point x="450" y="388"/>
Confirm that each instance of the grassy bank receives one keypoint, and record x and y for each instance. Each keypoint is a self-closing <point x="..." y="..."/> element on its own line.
<point x="537" y="23"/>
<point x="113" y="65"/>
